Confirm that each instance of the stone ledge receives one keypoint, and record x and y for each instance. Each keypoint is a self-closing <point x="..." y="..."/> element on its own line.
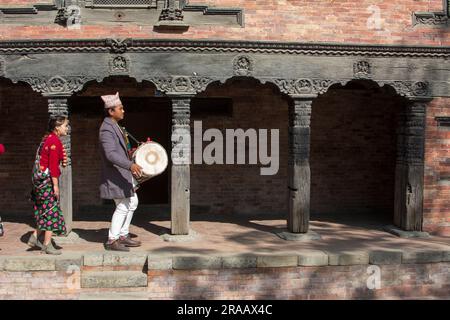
<point x="115" y="296"/>
<point x="241" y="262"/>
<point x="28" y="264"/>
<point x="312" y="258"/>
<point x="385" y="257"/>
<point x="159" y="263"/>
<point x="93" y="259"/>
<point x="277" y="261"/>
<point x="113" y="279"/>
<point x="423" y="256"/>
<point x="303" y="258"/>
<point x="68" y="261"/>
<point x="124" y="259"/>
<point x="196" y="262"/>
<point x="347" y="258"/>
<point x="446" y="256"/>
<point x="99" y="259"/>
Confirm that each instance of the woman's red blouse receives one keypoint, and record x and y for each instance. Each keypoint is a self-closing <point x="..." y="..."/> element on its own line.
<point x="52" y="154"/>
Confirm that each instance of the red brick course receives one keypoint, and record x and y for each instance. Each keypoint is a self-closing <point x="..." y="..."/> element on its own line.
<point x="327" y="282"/>
<point x="341" y="21"/>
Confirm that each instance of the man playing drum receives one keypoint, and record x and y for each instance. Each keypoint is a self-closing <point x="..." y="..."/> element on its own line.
<point x="118" y="175"/>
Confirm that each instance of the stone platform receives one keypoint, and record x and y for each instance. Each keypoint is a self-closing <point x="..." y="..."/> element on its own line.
<point x="236" y="259"/>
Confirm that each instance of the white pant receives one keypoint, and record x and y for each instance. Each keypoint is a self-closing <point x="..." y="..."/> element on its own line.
<point x="121" y="219"/>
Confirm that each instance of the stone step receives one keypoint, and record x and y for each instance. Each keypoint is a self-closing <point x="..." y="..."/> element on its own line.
<point x="98" y="259"/>
<point x="113" y="279"/>
<point x="111" y="295"/>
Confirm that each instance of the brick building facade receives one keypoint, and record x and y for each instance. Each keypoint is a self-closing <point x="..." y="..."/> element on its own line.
<point x="357" y="89"/>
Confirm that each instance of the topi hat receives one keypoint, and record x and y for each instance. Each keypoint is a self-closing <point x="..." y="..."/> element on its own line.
<point x="112" y="100"/>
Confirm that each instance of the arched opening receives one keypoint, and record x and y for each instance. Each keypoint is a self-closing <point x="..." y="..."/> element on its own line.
<point x="240" y="189"/>
<point x="23" y="122"/>
<point x="353" y="153"/>
<point x="147" y="114"/>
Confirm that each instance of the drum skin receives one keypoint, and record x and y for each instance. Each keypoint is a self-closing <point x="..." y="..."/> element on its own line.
<point x="153" y="159"/>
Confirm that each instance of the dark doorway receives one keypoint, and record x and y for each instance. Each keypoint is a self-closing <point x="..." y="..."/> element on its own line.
<point x="353" y="153"/>
<point x="144" y="117"/>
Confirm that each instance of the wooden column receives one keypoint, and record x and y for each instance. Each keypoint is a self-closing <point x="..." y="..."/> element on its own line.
<point x="409" y="170"/>
<point x="58" y="106"/>
<point x="299" y="174"/>
<point x="180" y="175"/>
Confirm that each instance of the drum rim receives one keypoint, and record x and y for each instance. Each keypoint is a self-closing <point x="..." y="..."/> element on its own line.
<point x="152" y="142"/>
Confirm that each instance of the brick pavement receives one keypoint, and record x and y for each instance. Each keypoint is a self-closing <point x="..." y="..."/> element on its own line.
<point x="227" y="235"/>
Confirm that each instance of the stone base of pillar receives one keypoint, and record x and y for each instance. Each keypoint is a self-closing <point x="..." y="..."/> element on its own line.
<point x="192" y="236"/>
<point x="71" y="238"/>
<point x="405" y="234"/>
<point x="290" y="236"/>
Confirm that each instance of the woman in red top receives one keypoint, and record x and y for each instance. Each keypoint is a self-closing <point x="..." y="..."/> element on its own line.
<point x="45" y="192"/>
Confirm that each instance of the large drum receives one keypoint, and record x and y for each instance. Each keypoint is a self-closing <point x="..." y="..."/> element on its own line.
<point x="152" y="157"/>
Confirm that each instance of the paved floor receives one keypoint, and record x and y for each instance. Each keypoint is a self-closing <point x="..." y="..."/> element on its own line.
<point x="221" y="235"/>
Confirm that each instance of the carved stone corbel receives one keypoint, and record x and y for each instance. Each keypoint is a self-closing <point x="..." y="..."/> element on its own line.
<point x="304" y="86"/>
<point x="118" y="46"/>
<point x="56" y="85"/>
<point x="181" y="85"/>
<point x="171" y="17"/>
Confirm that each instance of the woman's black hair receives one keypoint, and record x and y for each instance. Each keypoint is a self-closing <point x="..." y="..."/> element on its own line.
<point x="54" y="122"/>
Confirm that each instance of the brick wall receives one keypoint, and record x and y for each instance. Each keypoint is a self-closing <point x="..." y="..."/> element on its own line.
<point x="341" y="21"/>
<point x="352" y="152"/>
<point x="36" y="285"/>
<point x="241" y="188"/>
<point x="23" y="122"/>
<point x="327" y="282"/>
<point x="353" y="147"/>
<point x="437" y="161"/>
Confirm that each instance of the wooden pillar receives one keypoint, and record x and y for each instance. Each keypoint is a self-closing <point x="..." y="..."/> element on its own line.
<point x="180" y="175"/>
<point x="299" y="174"/>
<point x="409" y="170"/>
<point x="58" y="106"/>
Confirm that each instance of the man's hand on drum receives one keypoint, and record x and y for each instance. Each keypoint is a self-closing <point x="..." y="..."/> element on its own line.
<point x="136" y="170"/>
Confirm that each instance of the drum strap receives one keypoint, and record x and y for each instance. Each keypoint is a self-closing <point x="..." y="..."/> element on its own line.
<point x="129" y="135"/>
<point x="125" y="137"/>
